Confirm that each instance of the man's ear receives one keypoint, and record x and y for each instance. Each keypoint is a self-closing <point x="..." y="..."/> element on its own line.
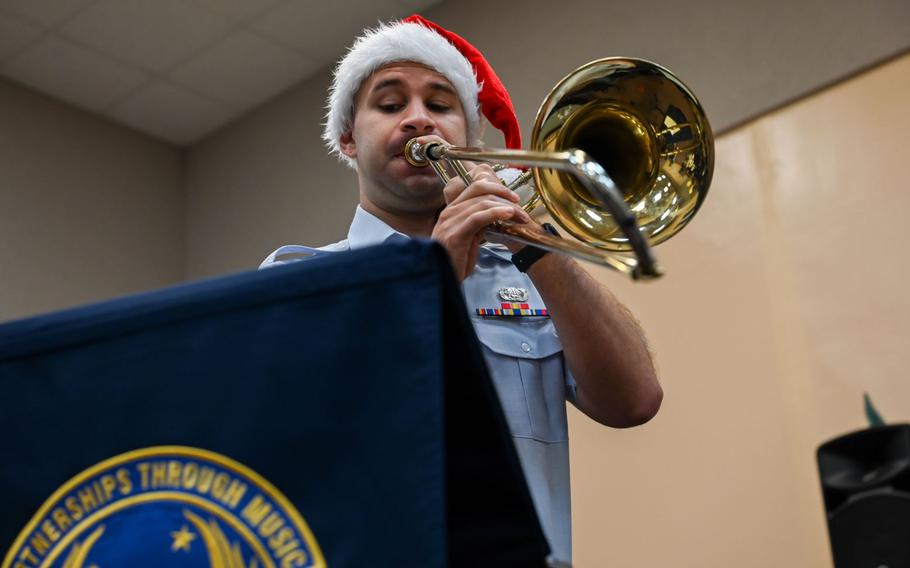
<point x="348" y="145"/>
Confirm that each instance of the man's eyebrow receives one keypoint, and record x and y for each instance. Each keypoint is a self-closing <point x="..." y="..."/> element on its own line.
<point x="385" y="83"/>
<point x="443" y="87"/>
<point x="393" y="82"/>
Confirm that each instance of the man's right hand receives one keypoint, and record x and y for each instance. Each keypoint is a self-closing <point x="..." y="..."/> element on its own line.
<point x="469" y="211"/>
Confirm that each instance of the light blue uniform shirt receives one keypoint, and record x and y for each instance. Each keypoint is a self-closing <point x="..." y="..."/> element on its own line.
<point x="525" y="359"/>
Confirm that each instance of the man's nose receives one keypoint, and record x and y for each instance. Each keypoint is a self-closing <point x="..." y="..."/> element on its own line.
<point x="418" y="119"/>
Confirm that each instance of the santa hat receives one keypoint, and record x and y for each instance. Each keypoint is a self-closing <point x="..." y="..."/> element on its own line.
<point x="418" y="40"/>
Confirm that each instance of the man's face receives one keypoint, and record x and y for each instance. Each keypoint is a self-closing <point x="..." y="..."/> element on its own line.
<point x="399" y="102"/>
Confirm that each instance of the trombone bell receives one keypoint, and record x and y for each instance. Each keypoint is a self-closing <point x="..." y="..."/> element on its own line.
<point x="650" y="133"/>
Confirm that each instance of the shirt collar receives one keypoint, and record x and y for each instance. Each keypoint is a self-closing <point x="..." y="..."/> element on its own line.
<point x="368" y="229"/>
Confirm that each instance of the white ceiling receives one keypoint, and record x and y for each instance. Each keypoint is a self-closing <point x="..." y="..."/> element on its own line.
<point x="178" y="69"/>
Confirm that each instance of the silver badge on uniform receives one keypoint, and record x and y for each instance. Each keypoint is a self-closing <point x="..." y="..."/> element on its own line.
<point x="513" y="294"/>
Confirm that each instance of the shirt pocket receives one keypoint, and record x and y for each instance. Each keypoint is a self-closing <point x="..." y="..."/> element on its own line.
<point x="527" y="368"/>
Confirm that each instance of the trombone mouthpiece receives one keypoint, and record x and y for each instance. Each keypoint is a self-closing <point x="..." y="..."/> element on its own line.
<point x="419" y="155"/>
<point x="416" y="153"/>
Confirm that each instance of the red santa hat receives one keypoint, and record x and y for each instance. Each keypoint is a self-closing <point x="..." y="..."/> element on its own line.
<point x="418" y="40"/>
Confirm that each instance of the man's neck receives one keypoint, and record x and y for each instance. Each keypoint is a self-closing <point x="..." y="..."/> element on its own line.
<point x="412" y="225"/>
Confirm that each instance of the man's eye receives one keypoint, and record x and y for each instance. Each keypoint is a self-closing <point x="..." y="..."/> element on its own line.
<point x="390" y="107"/>
<point x="439" y="107"/>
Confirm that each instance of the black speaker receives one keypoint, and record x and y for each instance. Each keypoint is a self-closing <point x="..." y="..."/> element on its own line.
<point x="865" y="477"/>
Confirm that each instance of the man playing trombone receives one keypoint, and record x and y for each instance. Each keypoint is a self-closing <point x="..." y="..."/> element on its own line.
<point x="549" y="331"/>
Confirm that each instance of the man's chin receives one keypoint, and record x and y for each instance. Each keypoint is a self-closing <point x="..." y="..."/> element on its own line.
<point x="423" y="188"/>
<point x="423" y="179"/>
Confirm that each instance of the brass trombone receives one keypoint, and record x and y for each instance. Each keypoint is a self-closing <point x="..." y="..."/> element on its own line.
<point x="622" y="154"/>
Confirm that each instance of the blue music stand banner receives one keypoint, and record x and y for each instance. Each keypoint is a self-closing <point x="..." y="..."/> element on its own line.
<point x="333" y="412"/>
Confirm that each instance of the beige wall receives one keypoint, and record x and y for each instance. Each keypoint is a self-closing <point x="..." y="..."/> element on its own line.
<point x="783" y="302"/>
<point x="263" y="183"/>
<point x="88" y="210"/>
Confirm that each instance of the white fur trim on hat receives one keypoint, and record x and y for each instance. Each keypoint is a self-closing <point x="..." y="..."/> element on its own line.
<point x="391" y="43"/>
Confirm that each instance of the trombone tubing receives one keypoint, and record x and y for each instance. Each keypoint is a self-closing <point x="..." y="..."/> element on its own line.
<point x="573" y="161"/>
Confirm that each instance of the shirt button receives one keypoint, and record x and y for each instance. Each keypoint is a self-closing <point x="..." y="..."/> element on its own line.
<point x="525" y="346"/>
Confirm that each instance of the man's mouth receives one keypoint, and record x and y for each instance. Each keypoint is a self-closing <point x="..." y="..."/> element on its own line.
<point x="398" y="148"/>
<point x="400" y="156"/>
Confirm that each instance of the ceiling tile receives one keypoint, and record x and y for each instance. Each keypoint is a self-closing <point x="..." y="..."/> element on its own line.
<point x="244" y="69"/>
<point x="15" y="35"/>
<point x="155" y="34"/>
<point x="420" y="4"/>
<point x="171" y="113"/>
<point x="73" y="73"/>
<point x="178" y="69"/>
<point x="47" y="13"/>
<point x="239" y="10"/>
<point x="324" y="29"/>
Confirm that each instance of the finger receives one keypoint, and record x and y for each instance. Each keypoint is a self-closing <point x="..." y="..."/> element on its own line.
<point x="480" y="172"/>
<point x="428" y="138"/>
<point x="483" y="171"/>
<point x="486" y="187"/>
<point x="476" y="219"/>
<point x="466" y="207"/>
<point x="453" y="189"/>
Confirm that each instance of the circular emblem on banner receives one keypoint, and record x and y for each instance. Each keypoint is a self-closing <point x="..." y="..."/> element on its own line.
<point x="166" y="506"/>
